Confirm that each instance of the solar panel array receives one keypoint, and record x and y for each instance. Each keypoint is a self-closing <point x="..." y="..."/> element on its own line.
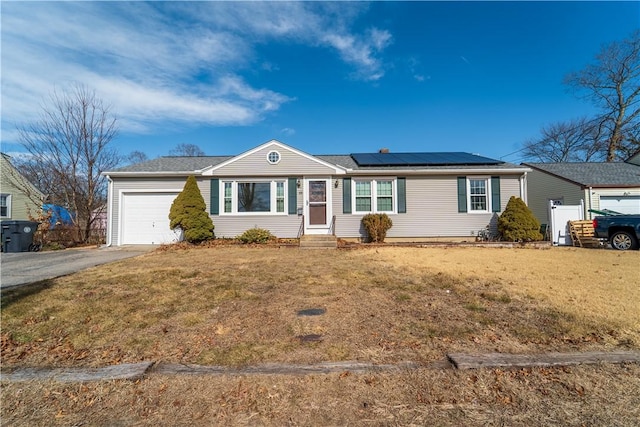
<point x="422" y="159"/>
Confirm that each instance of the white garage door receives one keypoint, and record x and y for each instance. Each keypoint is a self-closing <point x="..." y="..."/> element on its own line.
<point x="622" y="204"/>
<point x="145" y="218"/>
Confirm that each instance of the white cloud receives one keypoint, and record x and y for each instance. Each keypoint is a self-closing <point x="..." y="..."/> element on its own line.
<point x="288" y="131"/>
<point x="168" y="62"/>
<point x="361" y="51"/>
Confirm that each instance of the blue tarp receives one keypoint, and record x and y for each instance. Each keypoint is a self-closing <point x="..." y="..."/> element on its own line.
<point x="59" y="215"/>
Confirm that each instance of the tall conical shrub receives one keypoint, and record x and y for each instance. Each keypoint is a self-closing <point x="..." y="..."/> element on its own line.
<point x="517" y="223"/>
<point x="188" y="212"/>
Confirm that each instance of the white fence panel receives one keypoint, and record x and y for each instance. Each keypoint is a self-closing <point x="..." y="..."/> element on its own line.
<point x="559" y="216"/>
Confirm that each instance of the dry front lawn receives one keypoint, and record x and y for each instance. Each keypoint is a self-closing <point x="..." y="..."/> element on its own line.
<point x="240" y="306"/>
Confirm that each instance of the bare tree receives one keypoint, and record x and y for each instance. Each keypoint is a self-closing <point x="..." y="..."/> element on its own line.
<point x="69" y="148"/>
<point x="579" y="140"/>
<point x="187" y="150"/>
<point x="136" y="157"/>
<point x="613" y="84"/>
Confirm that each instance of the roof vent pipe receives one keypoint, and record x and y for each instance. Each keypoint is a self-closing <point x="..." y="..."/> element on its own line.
<point x="383" y="150"/>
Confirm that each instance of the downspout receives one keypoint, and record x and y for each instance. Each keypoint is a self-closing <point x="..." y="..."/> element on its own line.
<point x="109" y="209"/>
<point x="523" y="188"/>
<point x="590" y="204"/>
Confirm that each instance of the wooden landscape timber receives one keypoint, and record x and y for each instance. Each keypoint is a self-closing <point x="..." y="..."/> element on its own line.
<point x="135" y="371"/>
<point x="500" y="360"/>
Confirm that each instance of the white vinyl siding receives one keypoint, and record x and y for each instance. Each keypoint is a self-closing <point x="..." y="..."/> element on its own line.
<point x="432" y="210"/>
<point x="431" y="202"/>
<point x="542" y="188"/>
<point x="257" y="164"/>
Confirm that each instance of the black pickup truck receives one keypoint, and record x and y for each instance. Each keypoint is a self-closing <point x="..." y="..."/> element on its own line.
<point x="622" y="231"/>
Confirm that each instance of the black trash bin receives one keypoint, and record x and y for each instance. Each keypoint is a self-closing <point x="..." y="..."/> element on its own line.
<point x="17" y="236"/>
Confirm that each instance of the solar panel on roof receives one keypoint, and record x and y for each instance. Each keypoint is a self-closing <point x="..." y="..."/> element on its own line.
<point x="422" y="159"/>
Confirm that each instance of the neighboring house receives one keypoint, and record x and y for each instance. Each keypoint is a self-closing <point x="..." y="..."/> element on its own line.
<point x="18" y="197"/>
<point x="601" y="186"/>
<point x="290" y="193"/>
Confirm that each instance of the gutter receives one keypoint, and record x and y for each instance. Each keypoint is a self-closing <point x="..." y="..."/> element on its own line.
<point x="151" y="174"/>
<point x="346" y="172"/>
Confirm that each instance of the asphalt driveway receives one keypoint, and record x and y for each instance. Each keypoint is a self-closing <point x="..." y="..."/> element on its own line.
<point x="18" y="269"/>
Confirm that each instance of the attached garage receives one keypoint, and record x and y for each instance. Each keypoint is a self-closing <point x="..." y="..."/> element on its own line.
<point x="596" y="186"/>
<point x="145" y="219"/>
<point x="622" y="204"/>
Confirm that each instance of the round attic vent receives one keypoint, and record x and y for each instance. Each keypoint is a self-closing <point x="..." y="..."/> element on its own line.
<point x="273" y="157"/>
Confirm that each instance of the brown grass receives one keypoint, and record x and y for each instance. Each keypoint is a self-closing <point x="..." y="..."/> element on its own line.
<point x="599" y="286"/>
<point x="238" y="306"/>
<point x="576" y="396"/>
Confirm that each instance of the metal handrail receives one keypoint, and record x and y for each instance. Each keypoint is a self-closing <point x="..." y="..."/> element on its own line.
<point x="301" y="229"/>
<point x="332" y="226"/>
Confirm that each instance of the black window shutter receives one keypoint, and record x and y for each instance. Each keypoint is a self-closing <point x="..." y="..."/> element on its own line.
<point x="293" y="196"/>
<point x="462" y="194"/>
<point x="346" y="195"/>
<point x="402" y="195"/>
<point x="495" y="194"/>
<point x="215" y="197"/>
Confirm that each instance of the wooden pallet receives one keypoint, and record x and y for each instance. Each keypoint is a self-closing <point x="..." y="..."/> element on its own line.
<point x="583" y="234"/>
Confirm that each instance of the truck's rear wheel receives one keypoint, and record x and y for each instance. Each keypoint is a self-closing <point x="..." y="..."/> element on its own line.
<point x="622" y="241"/>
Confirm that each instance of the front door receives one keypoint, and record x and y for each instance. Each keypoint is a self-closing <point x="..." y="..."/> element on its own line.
<point x="318" y="206"/>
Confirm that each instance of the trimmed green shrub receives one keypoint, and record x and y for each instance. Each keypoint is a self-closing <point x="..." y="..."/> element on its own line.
<point x="256" y="235"/>
<point x="377" y="226"/>
<point x="189" y="213"/>
<point x="517" y="223"/>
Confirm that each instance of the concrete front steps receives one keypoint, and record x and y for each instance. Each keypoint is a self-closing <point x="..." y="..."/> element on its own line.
<point x="318" y="241"/>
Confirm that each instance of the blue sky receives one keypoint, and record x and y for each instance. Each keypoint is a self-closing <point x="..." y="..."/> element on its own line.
<point x="326" y="78"/>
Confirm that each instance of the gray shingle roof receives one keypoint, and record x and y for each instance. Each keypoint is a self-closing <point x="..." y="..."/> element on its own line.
<point x="175" y="164"/>
<point x="613" y="174"/>
<point x="171" y="164"/>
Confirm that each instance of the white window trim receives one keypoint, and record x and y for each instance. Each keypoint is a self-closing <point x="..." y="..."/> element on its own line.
<point x="487" y="180"/>
<point x="8" y="199"/>
<point x="374" y="195"/>
<point x="234" y="197"/>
